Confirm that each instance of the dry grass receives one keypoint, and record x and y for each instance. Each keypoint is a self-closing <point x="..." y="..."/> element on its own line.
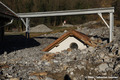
<point x="36" y="34"/>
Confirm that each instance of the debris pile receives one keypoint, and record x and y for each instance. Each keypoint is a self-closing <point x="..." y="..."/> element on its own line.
<point x="70" y="64"/>
<point x="40" y="28"/>
<point x="76" y="64"/>
<point x="90" y="23"/>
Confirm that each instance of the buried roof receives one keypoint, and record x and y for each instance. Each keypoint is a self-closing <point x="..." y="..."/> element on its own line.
<point x="84" y="38"/>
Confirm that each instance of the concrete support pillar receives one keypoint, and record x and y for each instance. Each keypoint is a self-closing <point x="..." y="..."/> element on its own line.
<point x="27" y="27"/>
<point x="111" y="26"/>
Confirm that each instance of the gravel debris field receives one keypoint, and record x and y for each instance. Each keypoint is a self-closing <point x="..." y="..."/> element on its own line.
<point x="24" y="60"/>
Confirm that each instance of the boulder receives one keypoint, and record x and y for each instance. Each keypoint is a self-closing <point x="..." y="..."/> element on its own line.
<point x="117" y="68"/>
<point x="102" y="67"/>
<point x="48" y="78"/>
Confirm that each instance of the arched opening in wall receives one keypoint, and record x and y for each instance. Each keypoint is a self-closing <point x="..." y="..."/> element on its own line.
<point x="73" y="46"/>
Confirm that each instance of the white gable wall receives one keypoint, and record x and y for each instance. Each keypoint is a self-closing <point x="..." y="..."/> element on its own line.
<point x="66" y="44"/>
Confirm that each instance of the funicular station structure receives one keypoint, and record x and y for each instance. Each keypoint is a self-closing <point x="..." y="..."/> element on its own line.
<point x="25" y="17"/>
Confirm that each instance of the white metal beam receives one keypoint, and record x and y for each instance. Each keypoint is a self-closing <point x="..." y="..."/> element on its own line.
<point x="100" y="14"/>
<point x="23" y="21"/>
<point x="67" y="12"/>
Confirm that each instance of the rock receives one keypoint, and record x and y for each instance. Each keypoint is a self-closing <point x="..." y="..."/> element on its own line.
<point x="65" y="67"/>
<point x="92" y="38"/>
<point x="75" y="78"/>
<point x="119" y="51"/>
<point x="111" y="55"/>
<point x="109" y="69"/>
<point x="48" y="78"/>
<point x="33" y="78"/>
<point x="71" y="73"/>
<point x="5" y="53"/>
<point x="70" y="70"/>
<point x="107" y="59"/>
<point x="115" y="45"/>
<point x="102" y="55"/>
<point x="104" y="42"/>
<point x="117" y="67"/>
<point x="96" y="69"/>
<point x="104" y="73"/>
<point x="80" y="67"/>
<point x="47" y="63"/>
<point x="91" y="49"/>
<point x="102" y="67"/>
<point x="83" y="63"/>
<point x="55" y="61"/>
<point x="39" y="63"/>
<point x="111" y="65"/>
<point x="65" y="31"/>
